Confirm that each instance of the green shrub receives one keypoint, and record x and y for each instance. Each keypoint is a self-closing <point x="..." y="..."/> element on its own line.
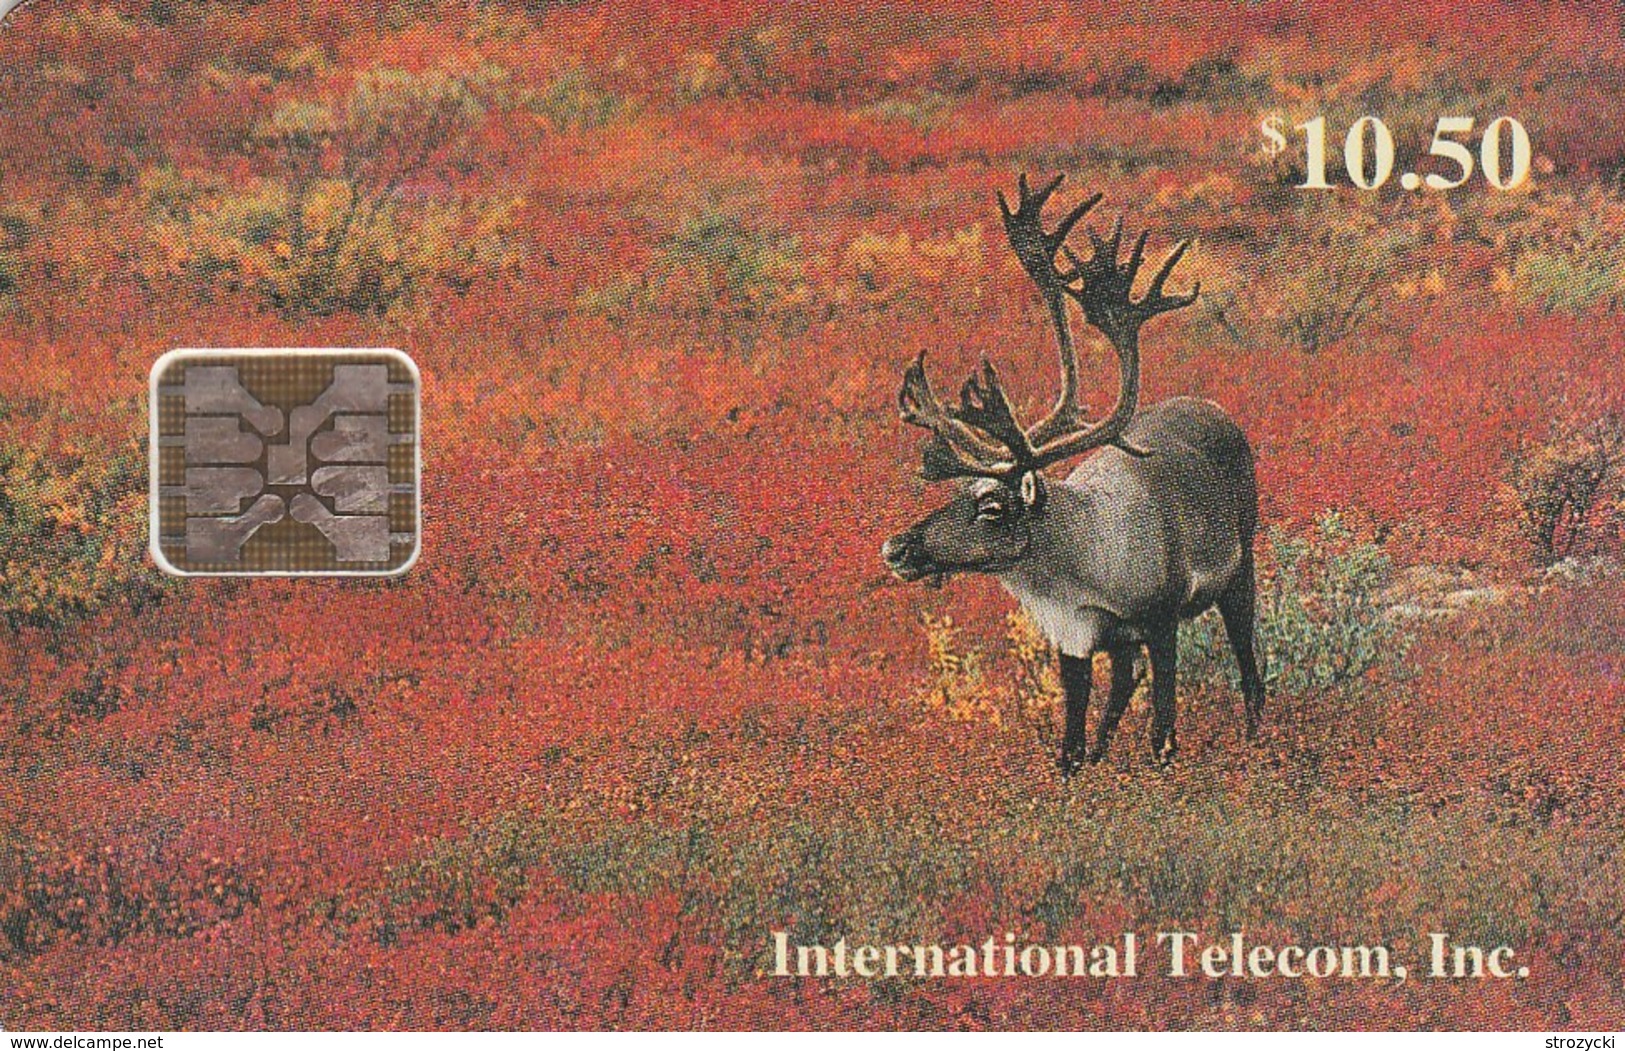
<point x="1581" y="271"/>
<point x="458" y="883"/>
<point x="15" y="233"/>
<point x="1566" y="251"/>
<point x="1320" y="624"/>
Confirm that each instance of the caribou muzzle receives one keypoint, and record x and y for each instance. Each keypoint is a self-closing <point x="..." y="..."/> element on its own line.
<point x="904" y="554"/>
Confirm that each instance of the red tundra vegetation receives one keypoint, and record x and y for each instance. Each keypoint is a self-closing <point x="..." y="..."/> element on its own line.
<point x="649" y="696"/>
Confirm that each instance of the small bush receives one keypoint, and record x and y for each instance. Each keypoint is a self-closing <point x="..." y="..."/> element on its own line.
<point x="460" y="882"/>
<point x="1586" y="274"/>
<point x="15" y="233"/>
<point x="574" y="101"/>
<point x="332" y="230"/>
<point x="880" y="270"/>
<point x="925" y="111"/>
<point x="728" y="277"/>
<point x="1569" y="254"/>
<point x="1320" y="624"/>
<point x="1559" y="485"/>
<point x="736" y="267"/>
<point x="105" y="897"/>
<point x="958" y="683"/>
<point x="307" y="252"/>
<point x="1331" y="283"/>
<point x="71" y="532"/>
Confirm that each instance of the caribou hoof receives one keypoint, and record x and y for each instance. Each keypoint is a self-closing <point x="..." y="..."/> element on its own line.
<point x="1071" y="763"/>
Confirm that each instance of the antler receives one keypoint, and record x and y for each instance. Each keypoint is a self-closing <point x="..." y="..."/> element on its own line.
<point x="1036" y="250"/>
<point x="1106" y="298"/>
<point x="955" y="450"/>
<point x="981" y="437"/>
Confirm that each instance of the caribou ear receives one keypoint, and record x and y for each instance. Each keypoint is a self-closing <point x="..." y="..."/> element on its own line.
<point x="1032" y="491"/>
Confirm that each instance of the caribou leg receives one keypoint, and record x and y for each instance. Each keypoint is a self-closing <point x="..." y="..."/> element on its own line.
<point x="1123" y="683"/>
<point x="1236" y="607"/>
<point x="1077" y="679"/>
<point x="1163" y="648"/>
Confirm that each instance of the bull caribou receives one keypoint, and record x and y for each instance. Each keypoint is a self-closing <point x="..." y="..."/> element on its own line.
<point x="1153" y="529"/>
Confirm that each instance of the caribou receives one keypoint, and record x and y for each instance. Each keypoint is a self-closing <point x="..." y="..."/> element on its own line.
<point x="1153" y="529"/>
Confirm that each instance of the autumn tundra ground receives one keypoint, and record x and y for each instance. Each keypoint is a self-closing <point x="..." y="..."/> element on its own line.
<point x="649" y="696"/>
